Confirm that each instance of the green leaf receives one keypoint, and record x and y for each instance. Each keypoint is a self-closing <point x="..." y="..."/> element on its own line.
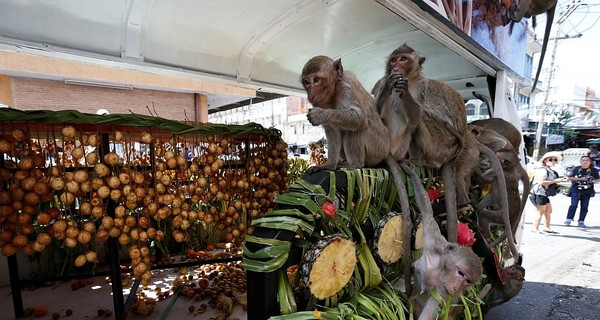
<point x="291" y="212"/>
<point x="264" y="265"/>
<point x="299" y="199"/>
<point x="284" y="220"/>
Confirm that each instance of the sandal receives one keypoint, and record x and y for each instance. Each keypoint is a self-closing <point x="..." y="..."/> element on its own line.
<point x="549" y="231"/>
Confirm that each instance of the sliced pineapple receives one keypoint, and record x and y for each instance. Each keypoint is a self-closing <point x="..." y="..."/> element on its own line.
<point x="419" y="237"/>
<point x="328" y="265"/>
<point x="389" y="238"/>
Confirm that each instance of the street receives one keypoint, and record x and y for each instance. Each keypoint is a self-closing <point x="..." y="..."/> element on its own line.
<point x="562" y="277"/>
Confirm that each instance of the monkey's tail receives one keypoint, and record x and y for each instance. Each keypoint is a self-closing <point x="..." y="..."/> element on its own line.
<point x="524" y="196"/>
<point x="499" y="184"/>
<point x="407" y="221"/>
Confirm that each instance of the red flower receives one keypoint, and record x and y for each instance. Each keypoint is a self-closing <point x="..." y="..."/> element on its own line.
<point x="328" y="208"/>
<point x="465" y="235"/>
<point x="433" y="193"/>
<point x="497" y="262"/>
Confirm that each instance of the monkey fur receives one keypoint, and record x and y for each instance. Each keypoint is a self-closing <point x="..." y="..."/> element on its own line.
<point x="446" y="267"/>
<point x="426" y="120"/>
<point x="531" y="8"/>
<point x="494" y="208"/>
<point x="514" y="277"/>
<point x="514" y="173"/>
<point x="347" y="113"/>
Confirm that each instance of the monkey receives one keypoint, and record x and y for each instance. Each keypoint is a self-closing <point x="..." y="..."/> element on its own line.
<point x="443" y="266"/>
<point x="532" y="8"/>
<point x="426" y="120"/>
<point x="514" y="277"/>
<point x="503" y="128"/>
<point x="347" y="113"/>
<point x="494" y="208"/>
<point x="514" y="172"/>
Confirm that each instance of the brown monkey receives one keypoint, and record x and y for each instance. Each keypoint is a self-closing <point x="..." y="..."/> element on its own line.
<point x="494" y="208"/>
<point x="347" y="113"/>
<point x="514" y="277"/>
<point x="427" y="124"/>
<point x="443" y="266"/>
<point x="531" y="8"/>
<point x="514" y="173"/>
<point x="503" y="128"/>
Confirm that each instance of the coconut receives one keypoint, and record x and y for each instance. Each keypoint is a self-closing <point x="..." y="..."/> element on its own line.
<point x="111" y="159"/>
<point x="118" y="136"/>
<point x="103" y="192"/>
<point x="91" y="256"/>
<point x="72" y="232"/>
<point x="80" y="260"/>
<point x="91" y="158"/>
<point x="5" y="146"/>
<point x="81" y="176"/>
<point x="113" y="182"/>
<point x="26" y="163"/>
<point x="84" y="237"/>
<point x="77" y="153"/>
<point x="57" y="183"/>
<point x="19" y="135"/>
<point x="67" y="198"/>
<point x="146" y="138"/>
<point x="101" y="169"/>
<point x="86" y="187"/>
<point x="93" y="140"/>
<point x="69" y="133"/>
<point x="72" y="186"/>
<point x="40" y="188"/>
<point x="70" y="242"/>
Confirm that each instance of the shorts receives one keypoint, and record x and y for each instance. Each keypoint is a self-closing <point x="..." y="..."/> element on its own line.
<point x="539" y="200"/>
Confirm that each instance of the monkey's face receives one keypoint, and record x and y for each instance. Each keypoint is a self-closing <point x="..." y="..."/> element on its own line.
<point x="400" y="63"/>
<point x="319" y="89"/>
<point x="319" y="77"/>
<point x="455" y="278"/>
<point x="516" y="272"/>
<point x="461" y="268"/>
<point x="405" y="64"/>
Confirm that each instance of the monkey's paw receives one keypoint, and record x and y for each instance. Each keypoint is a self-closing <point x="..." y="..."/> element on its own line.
<point x="316" y="116"/>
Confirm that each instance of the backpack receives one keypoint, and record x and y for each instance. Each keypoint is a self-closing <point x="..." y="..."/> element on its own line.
<point x="552" y="190"/>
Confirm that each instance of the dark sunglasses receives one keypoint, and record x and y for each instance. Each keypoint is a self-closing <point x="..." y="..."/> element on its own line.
<point x="552" y="159"/>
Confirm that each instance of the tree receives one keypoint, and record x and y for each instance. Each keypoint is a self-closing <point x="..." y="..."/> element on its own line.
<point x="563" y="117"/>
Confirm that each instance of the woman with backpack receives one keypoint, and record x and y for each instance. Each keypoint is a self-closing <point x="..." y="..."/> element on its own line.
<point x="544" y="185"/>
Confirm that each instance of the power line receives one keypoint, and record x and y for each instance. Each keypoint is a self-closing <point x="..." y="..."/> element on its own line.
<point x="561" y="19"/>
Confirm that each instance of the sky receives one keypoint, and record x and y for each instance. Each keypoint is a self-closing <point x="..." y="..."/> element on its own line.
<point x="577" y="60"/>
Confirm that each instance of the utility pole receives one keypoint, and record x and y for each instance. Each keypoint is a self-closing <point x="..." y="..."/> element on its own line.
<point x="538" y="135"/>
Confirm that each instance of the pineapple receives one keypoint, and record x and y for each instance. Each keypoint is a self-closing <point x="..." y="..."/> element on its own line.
<point x="389" y="237"/>
<point x="419" y="241"/>
<point x="328" y="265"/>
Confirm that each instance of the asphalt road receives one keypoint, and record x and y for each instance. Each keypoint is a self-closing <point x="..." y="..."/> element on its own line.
<point x="562" y="271"/>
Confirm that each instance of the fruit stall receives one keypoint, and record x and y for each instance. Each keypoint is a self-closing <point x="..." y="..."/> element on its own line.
<point x="79" y="190"/>
<point x="127" y="196"/>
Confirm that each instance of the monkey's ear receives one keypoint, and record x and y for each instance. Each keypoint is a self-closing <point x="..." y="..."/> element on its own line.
<point x="450" y="247"/>
<point x="421" y="61"/>
<point x="506" y="163"/>
<point x="337" y="64"/>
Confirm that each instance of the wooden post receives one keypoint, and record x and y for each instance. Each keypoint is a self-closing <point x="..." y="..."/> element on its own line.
<point x="200" y="108"/>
